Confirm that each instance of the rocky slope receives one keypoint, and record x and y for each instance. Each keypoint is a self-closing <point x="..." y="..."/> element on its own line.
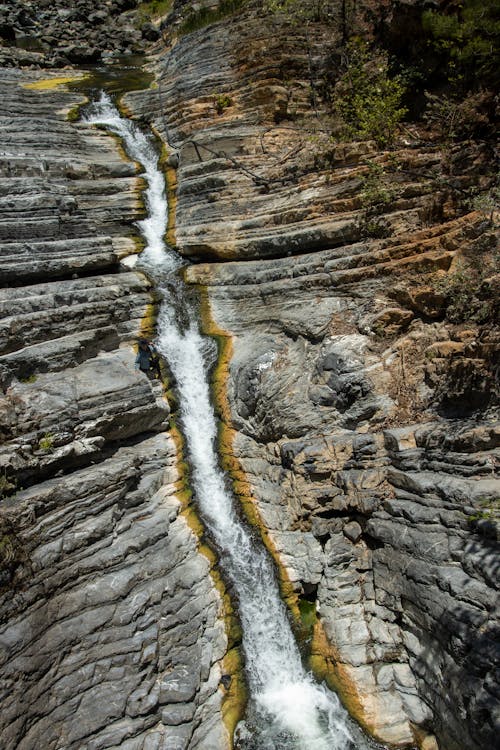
<point x="111" y="627"/>
<point x="360" y="416"/>
<point x="54" y="33"/>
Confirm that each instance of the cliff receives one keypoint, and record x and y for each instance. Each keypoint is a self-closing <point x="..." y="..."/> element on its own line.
<point x="112" y="630"/>
<point x="360" y="418"/>
<point x="351" y="281"/>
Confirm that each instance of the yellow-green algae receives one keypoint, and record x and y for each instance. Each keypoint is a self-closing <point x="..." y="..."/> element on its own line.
<point x="55" y="82"/>
<point x="324" y="662"/>
<point x="235" y="696"/>
<point x="170" y="175"/>
<point x="230" y="462"/>
<point x="324" y="659"/>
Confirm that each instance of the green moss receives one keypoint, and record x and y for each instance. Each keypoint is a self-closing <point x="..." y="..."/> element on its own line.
<point x="49" y="84"/>
<point x="308" y="618"/>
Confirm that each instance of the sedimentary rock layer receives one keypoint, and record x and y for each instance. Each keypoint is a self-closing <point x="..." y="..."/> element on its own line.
<point x="110" y="628"/>
<point x="361" y="418"/>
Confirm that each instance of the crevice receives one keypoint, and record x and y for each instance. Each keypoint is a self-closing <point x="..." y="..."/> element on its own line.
<point x="28" y="478"/>
<point x="16" y="279"/>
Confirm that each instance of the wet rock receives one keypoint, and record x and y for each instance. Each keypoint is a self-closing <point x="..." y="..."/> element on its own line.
<point x="105" y="596"/>
<point x="335" y="423"/>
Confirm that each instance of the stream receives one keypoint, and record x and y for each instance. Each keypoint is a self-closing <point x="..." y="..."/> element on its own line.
<point x="287" y="708"/>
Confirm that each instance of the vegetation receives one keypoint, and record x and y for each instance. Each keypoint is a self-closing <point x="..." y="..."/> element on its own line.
<point x="487" y="201"/>
<point x="468" y="293"/>
<point x="153" y="9"/>
<point x="198" y="19"/>
<point x="7" y="485"/>
<point x="368" y="97"/>
<point x="46" y="443"/>
<point x="455" y="119"/>
<point x="467" y="41"/>
<point x="222" y="102"/>
<point x="376" y="191"/>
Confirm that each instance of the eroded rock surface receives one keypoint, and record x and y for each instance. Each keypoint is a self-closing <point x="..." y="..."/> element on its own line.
<point x="111" y="628"/>
<point x="361" y="415"/>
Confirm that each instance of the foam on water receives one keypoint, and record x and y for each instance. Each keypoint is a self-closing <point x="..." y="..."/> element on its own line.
<point x="288" y="708"/>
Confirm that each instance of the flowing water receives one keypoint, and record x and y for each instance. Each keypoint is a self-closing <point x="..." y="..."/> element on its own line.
<point x="288" y="709"/>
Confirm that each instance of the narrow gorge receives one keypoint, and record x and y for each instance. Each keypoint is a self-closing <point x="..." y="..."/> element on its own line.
<point x="338" y="290"/>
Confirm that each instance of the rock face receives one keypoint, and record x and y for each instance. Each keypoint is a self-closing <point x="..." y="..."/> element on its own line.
<point x="358" y="406"/>
<point x="361" y="414"/>
<point x="111" y="628"/>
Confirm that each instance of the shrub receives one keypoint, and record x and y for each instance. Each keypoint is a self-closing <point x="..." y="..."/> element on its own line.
<point x="375" y="191"/>
<point x="468" y="298"/>
<point x="222" y="102"/>
<point x="368" y="97"/>
<point x="467" y="39"/>
<point x="152" y="9"/>
<point x="457" y="118"/>
<point x="198" y="19"/>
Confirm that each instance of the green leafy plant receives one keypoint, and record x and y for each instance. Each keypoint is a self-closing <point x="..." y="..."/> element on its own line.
<point x="46" y="443"/>
<point x="467" y="38"/>
<point x="222" y="102"/>
<point x="368" y="97"/>
<point x="28" y="379"/>
<point x="375" y="190"/>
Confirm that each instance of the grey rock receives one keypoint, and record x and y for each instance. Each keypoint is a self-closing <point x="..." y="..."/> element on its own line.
<point x="352" y="531"/>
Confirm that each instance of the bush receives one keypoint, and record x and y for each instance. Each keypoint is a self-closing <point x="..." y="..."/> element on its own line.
<point x="198" y="19"/>
<point x="368" y="98"/>
<point x="376" y="192"/>
<point x="222" y="102"/>
<point x="468" y="295"/>
<point x="467" y="38"/>
<point x="457" y="118"/>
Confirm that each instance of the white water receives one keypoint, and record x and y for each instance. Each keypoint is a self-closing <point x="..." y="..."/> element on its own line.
<point x="288" y="709"/>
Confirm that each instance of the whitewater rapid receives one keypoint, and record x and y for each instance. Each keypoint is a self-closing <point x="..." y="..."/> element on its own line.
<point x="288" y="709"/>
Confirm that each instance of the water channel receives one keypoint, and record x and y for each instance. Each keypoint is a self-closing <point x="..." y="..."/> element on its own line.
<point x="288" y="709"/>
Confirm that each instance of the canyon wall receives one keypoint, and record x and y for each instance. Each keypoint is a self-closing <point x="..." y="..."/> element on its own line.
<point x="358" y="417"/>
<point x="111" y="627"/>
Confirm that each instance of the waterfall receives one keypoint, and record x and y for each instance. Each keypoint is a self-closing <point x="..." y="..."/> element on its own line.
<point x="288" y="709"/>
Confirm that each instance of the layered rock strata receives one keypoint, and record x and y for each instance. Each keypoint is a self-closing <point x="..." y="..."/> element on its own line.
<point x="111" y="627"/>
<point x="361" y="419"/>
